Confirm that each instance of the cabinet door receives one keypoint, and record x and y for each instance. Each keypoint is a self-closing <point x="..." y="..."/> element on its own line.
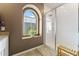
<point x="4" y="47"/>
<point x="50" y="29"/>
<point x="67" y="25"/>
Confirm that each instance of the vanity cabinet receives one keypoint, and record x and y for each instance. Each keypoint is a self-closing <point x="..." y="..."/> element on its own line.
<point x="4" y="45"/>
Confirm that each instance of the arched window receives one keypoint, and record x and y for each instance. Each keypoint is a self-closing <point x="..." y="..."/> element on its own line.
<point x="30" y="22"/>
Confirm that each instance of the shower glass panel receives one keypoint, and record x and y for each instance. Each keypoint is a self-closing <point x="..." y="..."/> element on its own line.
<point x="51" y="30"/>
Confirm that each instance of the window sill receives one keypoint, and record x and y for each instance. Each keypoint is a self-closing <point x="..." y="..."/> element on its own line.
<point x="30" y="37"/>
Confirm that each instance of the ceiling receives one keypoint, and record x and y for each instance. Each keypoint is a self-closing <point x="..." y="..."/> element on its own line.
<point x="53" y="5"/>
<point x="49" y="6"/>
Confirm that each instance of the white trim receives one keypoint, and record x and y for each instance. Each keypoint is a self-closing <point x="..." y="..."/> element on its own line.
<point x="17" y="54"/>
<point x="30" y="37"/>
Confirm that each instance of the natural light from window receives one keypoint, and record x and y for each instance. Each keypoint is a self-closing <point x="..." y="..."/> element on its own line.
<point x="30" y="23"/>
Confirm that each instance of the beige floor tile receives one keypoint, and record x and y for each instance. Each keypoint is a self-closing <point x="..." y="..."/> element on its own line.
<point x="43" y="50"/>
<point x="32" y="53"/>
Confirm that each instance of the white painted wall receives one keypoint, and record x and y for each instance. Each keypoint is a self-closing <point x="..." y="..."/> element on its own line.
<point x="46" y="8"/>
<point x="67" y="26"/>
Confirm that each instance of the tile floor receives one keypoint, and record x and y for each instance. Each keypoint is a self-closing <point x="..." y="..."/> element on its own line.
<point x="43" y="50"/>
<point x="32" y="53"/>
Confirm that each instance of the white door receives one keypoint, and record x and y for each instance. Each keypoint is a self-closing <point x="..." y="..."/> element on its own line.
<point x="50" y="29"/>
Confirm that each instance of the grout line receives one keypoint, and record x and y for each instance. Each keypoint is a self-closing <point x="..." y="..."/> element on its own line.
<point x="40" y="53"/>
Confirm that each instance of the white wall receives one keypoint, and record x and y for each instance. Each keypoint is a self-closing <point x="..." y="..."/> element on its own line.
<point x="46" y="9"/>
<point x="67" y="26"/>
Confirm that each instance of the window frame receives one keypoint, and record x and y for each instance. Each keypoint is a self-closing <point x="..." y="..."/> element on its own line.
<point x="37" y="21"/>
